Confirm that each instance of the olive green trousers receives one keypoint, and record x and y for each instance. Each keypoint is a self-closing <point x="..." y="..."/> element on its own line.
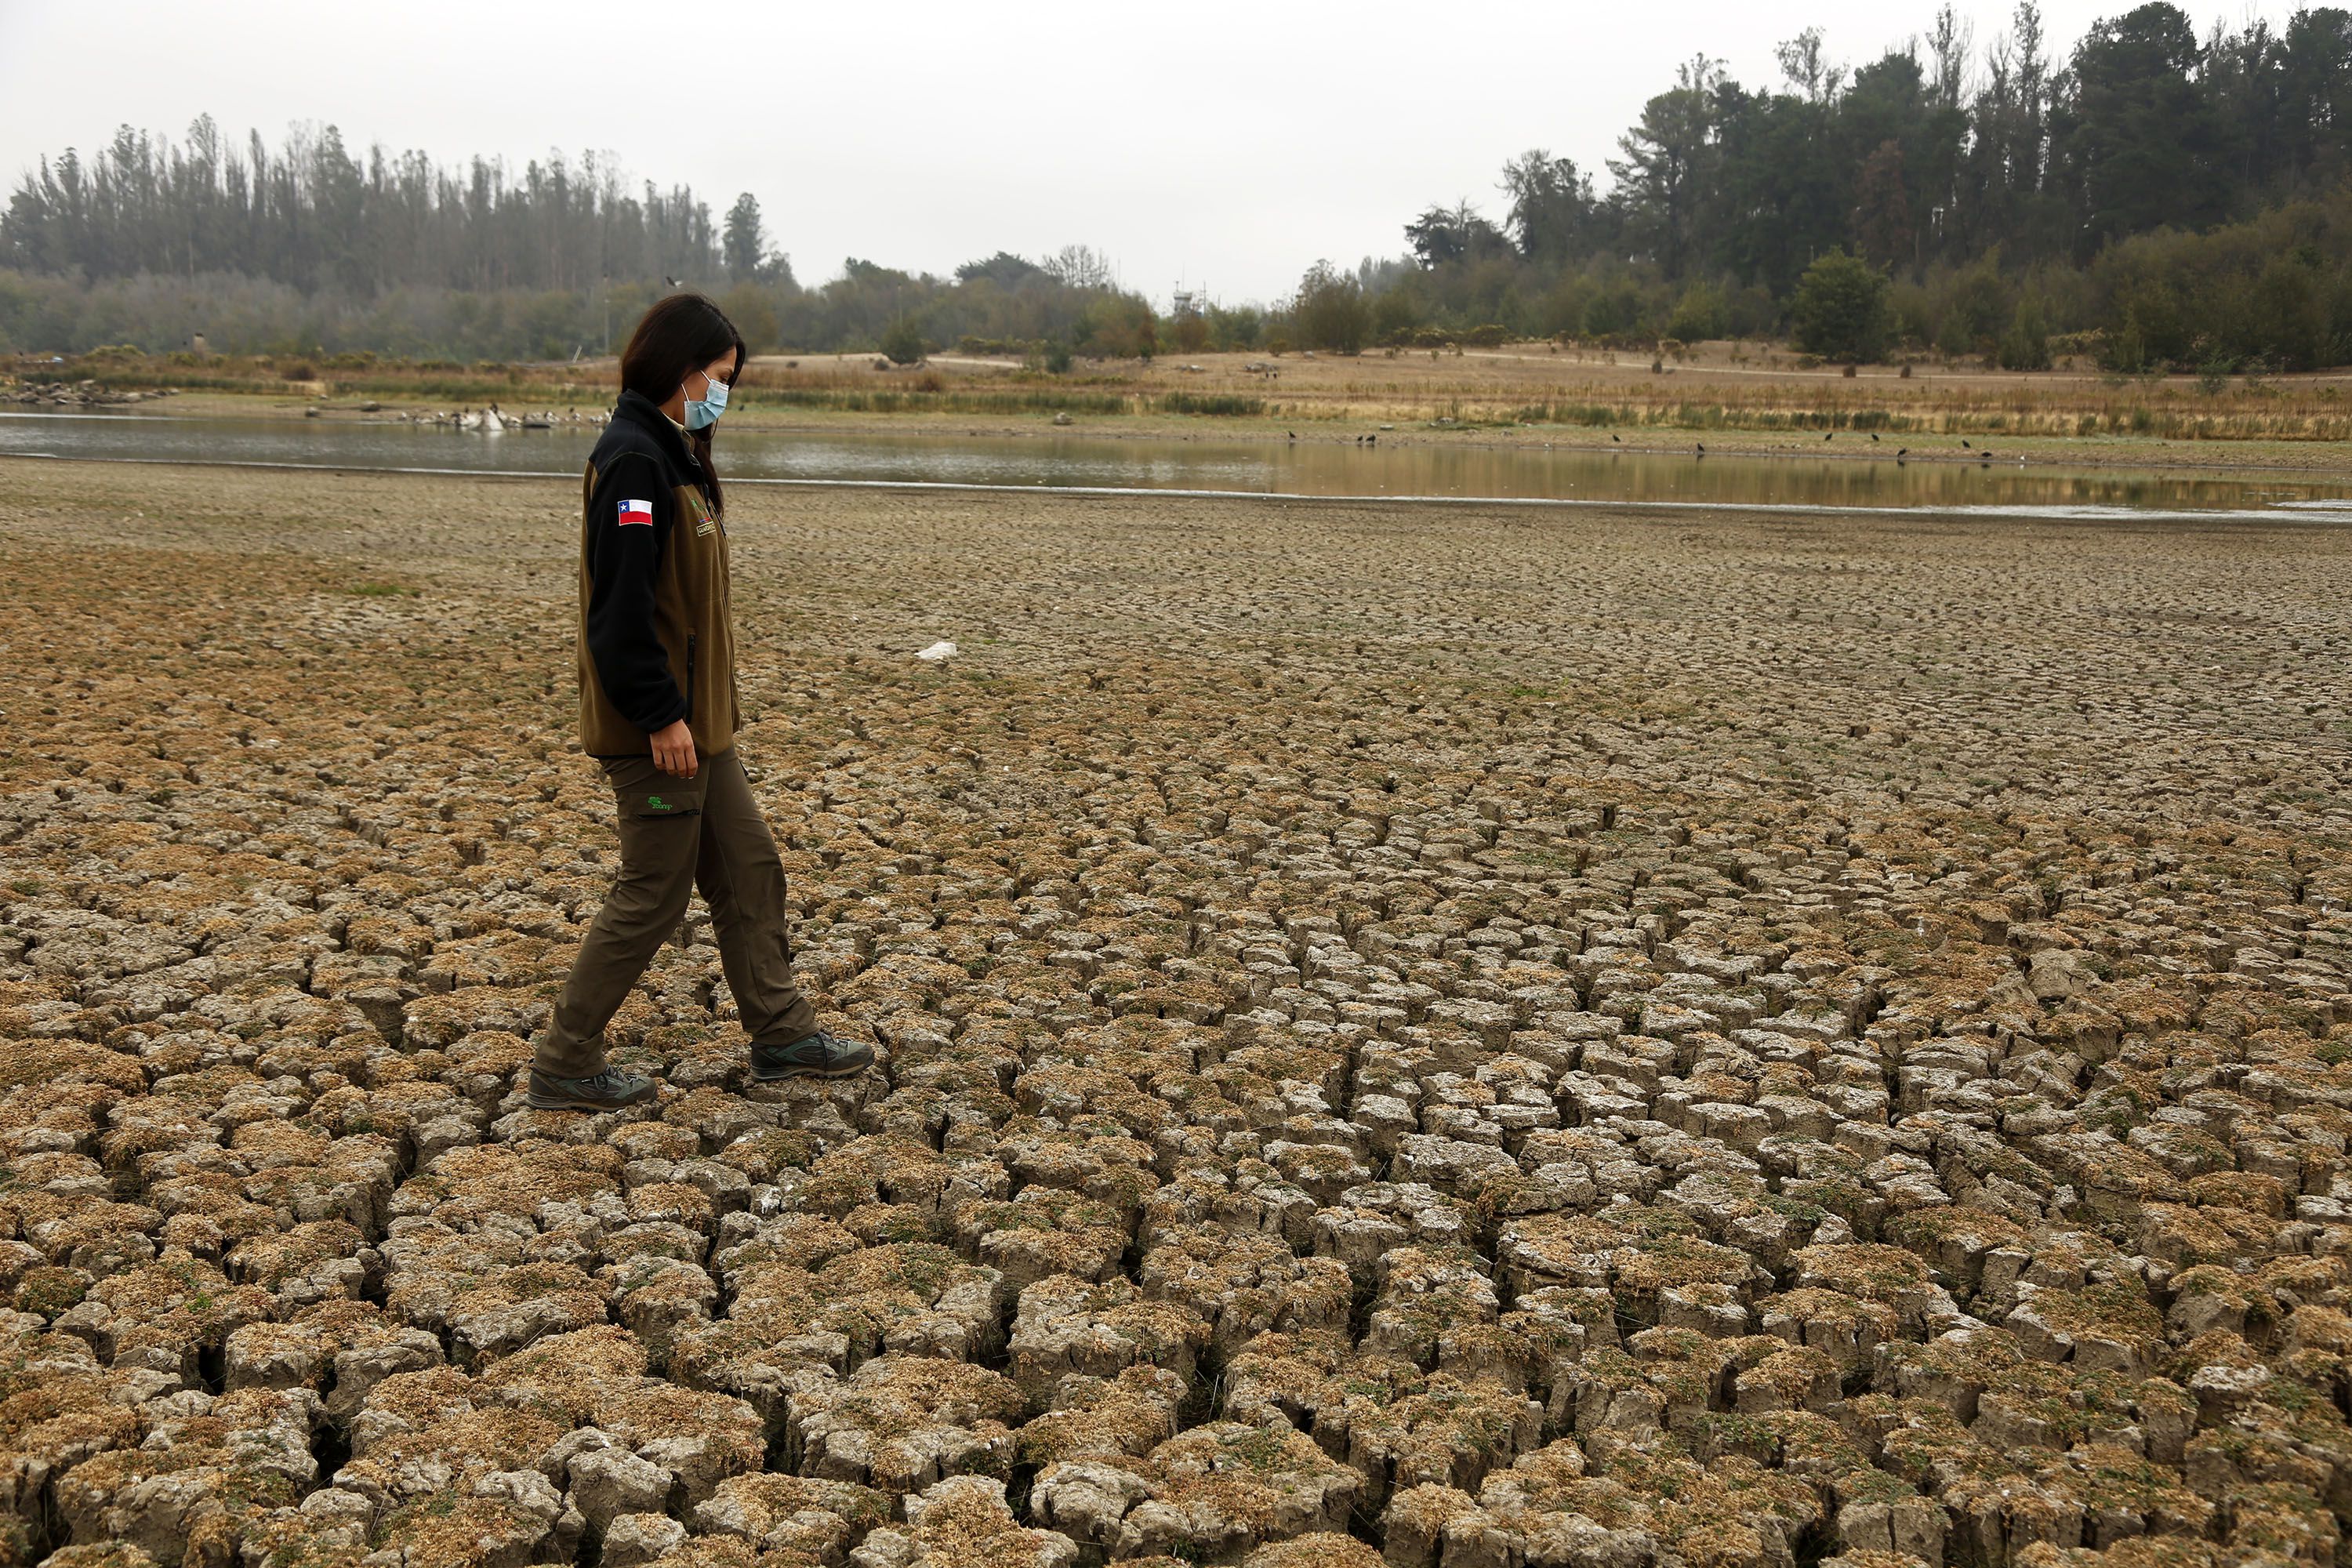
<point x="677" y="835"/>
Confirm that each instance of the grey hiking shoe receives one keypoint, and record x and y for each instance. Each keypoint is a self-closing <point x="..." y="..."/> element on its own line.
<point x="608" y="1090"/>
<point x="812" y="1056"/>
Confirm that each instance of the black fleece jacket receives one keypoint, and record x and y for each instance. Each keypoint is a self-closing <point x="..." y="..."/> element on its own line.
<point x="640" y="457"/>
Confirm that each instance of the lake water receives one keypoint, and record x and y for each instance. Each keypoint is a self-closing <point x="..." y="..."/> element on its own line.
<point x="1411" y="464"/>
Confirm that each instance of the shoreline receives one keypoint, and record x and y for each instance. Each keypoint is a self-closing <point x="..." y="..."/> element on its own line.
<point x="1745" y="398"/>
<point x="1655" y="508"/>
<point x="2312" y="459"/>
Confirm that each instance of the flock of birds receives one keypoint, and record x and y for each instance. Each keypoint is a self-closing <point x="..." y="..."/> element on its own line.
<point x="1982" y="454"/>
<point x="491" y="420"/>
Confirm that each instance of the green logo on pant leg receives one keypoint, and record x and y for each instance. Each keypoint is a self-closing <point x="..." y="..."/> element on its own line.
<point x="657" y="803"/>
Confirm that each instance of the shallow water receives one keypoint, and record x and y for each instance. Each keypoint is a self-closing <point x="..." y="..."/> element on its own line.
<point x="1413" y="464"/>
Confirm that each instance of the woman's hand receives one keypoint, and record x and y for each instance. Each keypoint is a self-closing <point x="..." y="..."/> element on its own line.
<point x="674" y="750"/>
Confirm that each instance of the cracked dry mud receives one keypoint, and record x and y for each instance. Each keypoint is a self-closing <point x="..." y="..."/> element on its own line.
<point x="1474" y="1038"/>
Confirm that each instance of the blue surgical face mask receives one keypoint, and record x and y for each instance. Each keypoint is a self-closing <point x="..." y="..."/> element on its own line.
<point x="703" y="411"/>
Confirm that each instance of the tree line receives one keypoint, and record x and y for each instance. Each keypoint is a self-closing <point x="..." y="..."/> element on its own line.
<point x="310" y="247"/>
<point x="2154" y="198"/>
<point x="1946" y="195"/>
<point x="313" y="216"/>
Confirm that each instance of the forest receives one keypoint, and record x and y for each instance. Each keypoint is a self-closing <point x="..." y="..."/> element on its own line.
<point x="2167" y="198"/>
<point x="2156" y="198"/>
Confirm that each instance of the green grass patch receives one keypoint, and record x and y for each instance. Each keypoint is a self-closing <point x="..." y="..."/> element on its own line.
<point x="1217" y="404"/>
<point x="861" y="400"/>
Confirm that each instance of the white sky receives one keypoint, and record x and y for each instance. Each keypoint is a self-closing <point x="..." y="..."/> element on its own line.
<point x="1208" y="143"/>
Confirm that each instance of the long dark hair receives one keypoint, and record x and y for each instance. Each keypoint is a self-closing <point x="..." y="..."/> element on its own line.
<point x="682" y="333"/>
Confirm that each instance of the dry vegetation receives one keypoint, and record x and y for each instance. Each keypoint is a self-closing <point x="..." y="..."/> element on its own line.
<point x="1714" y="388"/>
<point x="1473" y="1039"/>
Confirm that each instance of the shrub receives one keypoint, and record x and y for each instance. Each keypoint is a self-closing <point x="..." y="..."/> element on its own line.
<point x="1223" y="404"/>
<point x="1839" y="311"/>
<point x="2156" y="331"/>
<point x="1238" y="328"/>
<point x="2026" y="344"/>
<point x="1976" y="304"/>
<point x="1331" y="311"/>
<point x="1118" y="326"/>
<point x="1698" y="315"/>
<point x="902" y="341"/>
<point x="1612" y="311"/>
<point x="1396" y="313"/>
<point x="2286" y="319"/>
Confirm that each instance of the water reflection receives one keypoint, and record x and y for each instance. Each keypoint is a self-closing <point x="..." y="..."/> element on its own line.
<point x="1406" y="464"/>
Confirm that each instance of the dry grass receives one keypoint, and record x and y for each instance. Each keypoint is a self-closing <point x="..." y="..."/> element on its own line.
<point x="1710" y="388"/>
<point x="1713" y="387"/>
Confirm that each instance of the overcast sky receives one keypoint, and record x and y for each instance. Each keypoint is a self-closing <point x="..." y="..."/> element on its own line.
<point x="1217" y="144"/>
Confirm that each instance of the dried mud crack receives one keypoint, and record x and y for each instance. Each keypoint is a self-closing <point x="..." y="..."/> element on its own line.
<point x="1471" y="1040"/>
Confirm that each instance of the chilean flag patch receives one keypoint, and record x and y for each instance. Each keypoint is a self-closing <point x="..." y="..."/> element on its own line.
<point x="636" y="512"/>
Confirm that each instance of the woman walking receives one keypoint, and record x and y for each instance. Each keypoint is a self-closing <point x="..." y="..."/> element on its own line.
<point x="657" y="710"/>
